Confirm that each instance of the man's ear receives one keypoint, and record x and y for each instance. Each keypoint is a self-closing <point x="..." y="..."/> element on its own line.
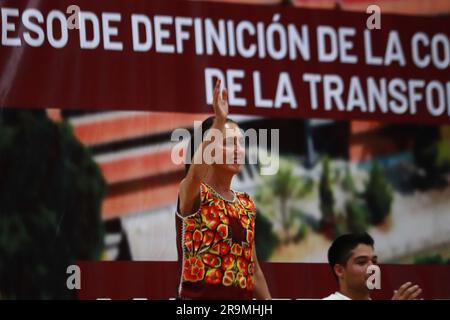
<point x="338" y="270"/>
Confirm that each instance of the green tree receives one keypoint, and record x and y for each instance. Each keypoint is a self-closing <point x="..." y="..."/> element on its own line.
<point x="378" y="194"/>
<point x="265" y="240"/>
<point x="432" y="150"/>
<point x="429" y="259"/>
<point x="50" y="199"/>
<point x="326" y="195"/>
<point x="348" y="184"/>
<point x="357" y="216"/>
<point x="340" y="226"/>
<point x="277" y="192"/>
<point x="424" y="150"/>
<point x="443" y="155"/>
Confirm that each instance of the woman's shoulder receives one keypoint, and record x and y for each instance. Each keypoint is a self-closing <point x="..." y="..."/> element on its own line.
<point x="246" y="200"/>
<point x="242" y="194"/>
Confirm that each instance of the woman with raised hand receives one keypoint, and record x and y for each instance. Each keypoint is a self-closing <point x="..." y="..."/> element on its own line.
<point x="216" y="225"/>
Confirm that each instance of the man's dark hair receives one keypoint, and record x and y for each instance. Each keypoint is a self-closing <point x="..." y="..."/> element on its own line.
<point x="341" y="248"/>
<point x="205" y="126"/>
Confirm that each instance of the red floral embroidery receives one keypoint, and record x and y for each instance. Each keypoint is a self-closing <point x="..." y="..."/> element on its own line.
<point x="252" y="223"/>
<point x="219" y="203"/>
<point x="214" y="276"/>
<point x="228" y="262"/>
<point x="223" y="218"/>
<point x="190" y="225"/>
<point x="249" y="236"/>
<point x="239" y="212"/>
<point x="215" y="249"/>
<point x="210" y="217"/>
<point x="197" y="237"/>
<point x="241" y="280"/>
<point x="194" y="269"/>
<point x="245" y="221"/>
<point x="206" y="194"/>
<point x="251" y="268"/>
<point x="232" y="212"/>
<point x="247" y="253"/>
<point x="212" y="254"/>
<point x="242" y="265"/>
<point x="224" y="248"/>
<point x="211" y="260"/>
<point x="228" y="278"/>
<point x="222" y="232"/>
<point x="250" y="283"/>
<point x="188" y="241"/>
<point x="247" y="203"/>
<point x="236" y="249"/>
<point x="208" y="237"/>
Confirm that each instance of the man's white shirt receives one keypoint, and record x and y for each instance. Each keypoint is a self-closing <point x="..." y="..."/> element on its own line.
<point x="336" y="296"/>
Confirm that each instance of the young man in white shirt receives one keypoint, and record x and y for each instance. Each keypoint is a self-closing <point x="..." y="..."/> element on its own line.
<point x="349" y="257"/>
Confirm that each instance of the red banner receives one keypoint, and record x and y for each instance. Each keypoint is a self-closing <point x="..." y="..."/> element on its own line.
<point x="159" y="280"/>
<point x="275" y="61"/>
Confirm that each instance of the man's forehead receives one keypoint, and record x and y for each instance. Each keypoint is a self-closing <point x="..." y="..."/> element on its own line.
<point x="363" y="250"/>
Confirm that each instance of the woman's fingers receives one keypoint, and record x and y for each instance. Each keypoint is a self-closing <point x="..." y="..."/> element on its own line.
<point x="216" y="93"/>
<point x="225" y="95"/>
<point x="220" y="102"/>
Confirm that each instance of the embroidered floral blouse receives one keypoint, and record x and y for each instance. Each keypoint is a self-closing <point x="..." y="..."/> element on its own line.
<point x="216" y="248"/>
